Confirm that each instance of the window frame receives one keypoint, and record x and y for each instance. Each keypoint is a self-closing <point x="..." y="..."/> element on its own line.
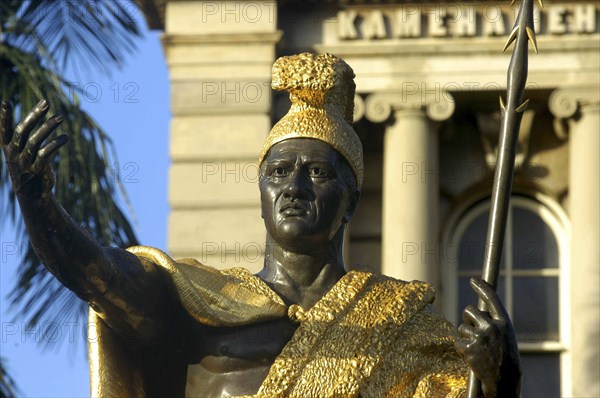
<point x="552" y="214"/>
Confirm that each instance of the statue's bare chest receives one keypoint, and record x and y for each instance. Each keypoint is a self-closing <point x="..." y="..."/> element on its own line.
<point x="250" y="342"/>
<point x="235" y="361"/>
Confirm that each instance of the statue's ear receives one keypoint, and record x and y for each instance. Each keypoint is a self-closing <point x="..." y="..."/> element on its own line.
<point x="352" y="204"/>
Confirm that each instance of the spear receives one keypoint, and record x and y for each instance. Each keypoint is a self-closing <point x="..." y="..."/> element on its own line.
<point x="523" y="33"/>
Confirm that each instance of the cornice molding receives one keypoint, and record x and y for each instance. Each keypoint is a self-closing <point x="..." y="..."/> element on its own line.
<point x="225" y="38"/>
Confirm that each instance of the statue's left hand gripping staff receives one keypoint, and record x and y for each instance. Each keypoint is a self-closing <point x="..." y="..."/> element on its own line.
<point x="507" y="368"/>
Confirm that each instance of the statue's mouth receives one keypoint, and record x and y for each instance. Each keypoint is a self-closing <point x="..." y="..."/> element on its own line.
<point x="293" y="209"/>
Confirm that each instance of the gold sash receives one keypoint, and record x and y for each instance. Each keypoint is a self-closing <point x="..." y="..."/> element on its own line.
<point x="369" y="336"/>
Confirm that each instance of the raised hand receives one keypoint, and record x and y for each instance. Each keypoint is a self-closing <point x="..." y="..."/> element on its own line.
<point x="488" y="343"/>
<point x="26" y="156"/>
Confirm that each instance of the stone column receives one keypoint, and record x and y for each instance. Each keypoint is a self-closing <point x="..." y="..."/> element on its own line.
<point x="410" y="182"/>
<point x="582" y="109"/>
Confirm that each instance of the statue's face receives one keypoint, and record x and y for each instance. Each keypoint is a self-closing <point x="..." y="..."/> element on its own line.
<point x="304" y="198"/>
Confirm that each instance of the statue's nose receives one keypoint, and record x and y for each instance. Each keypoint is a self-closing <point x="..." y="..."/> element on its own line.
<point x="298" y="186"/>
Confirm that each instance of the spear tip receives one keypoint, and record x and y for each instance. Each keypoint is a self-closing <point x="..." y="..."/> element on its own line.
<point x="511" y="38"/>
<point x="523" y="106"/>
<point x="502" y="104"/>
<point x="531" y="37"/>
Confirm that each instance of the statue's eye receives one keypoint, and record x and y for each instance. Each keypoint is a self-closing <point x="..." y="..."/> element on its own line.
<point x="318" y="172"/>
<point x="280" y="172"/>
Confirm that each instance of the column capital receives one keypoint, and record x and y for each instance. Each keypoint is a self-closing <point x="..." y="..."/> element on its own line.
<point x="438" y="106"/>
<point x="564" y="102"/>
<point x="359" y="108"/>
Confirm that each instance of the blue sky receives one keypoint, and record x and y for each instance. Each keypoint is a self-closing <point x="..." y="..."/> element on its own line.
<point x="132" y="105"/>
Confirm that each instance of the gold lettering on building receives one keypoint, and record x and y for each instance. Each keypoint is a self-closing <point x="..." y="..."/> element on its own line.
<point x="408" y="22"/>
<point x="460" y="20"/>
<point x="464" y="22"/>
<point x="585" y="18"/>
<point x="557" y="20"/>
<point x="346" y="28"/>
<point x="374" y="26"/>
<point x="493" y="21"/>
<point x="437" y="24"/>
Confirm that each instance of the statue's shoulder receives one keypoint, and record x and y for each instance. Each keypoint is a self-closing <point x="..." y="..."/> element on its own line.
<point x="215" y="297"/>
<point x="412" y="290"/>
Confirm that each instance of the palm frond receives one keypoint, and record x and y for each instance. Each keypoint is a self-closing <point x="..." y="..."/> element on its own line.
<point x="8" y="388"/>
<point x="85" y="186"/>
<point x="88" y="33"/>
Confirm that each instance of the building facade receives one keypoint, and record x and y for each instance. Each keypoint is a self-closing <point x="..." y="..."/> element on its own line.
<point x="428" y="76"/>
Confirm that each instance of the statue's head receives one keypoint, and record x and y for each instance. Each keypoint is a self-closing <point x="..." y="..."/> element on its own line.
<point x="311" y="165"/>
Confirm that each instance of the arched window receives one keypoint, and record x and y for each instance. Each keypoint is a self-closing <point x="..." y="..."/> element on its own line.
<point x="533" y="285"/>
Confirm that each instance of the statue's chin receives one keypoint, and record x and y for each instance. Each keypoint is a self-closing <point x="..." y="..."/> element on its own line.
<point x="297" y="235"/>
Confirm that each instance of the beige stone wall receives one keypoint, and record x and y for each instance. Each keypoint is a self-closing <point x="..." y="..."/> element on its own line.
<point x="219" y="55"/>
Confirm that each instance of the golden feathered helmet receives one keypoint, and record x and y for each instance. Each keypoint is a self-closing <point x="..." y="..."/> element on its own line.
<point x="321" y="89"/>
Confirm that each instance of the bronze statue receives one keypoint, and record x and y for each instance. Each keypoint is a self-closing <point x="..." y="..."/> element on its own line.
<point x="304" y="326"/>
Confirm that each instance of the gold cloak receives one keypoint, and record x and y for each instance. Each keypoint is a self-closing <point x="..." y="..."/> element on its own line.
<point x="369" y="336"/>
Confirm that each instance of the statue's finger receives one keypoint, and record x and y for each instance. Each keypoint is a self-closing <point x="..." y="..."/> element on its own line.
<point x="489" y="296"/>
<point x="31" y="120"/>
<point x="467" y="331"/>
<point x="474" y="316"/>
<point x="47" y="152"/>
<point x="36" y="139"/>
<point x="6" y="122"/>
<point x="463" y="346"/>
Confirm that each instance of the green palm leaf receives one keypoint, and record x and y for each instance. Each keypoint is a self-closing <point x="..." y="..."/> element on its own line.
<point x="96" y="33"/>
<point x="8" y="388"/>
<point x="38" y="41"/>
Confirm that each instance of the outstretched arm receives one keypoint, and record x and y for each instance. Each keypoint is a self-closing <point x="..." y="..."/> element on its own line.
<point x="126" y="293"/>
<point x="489" y="344"/>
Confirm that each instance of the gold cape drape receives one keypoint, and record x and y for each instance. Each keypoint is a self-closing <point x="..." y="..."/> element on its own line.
<point x="369" y="336"/>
